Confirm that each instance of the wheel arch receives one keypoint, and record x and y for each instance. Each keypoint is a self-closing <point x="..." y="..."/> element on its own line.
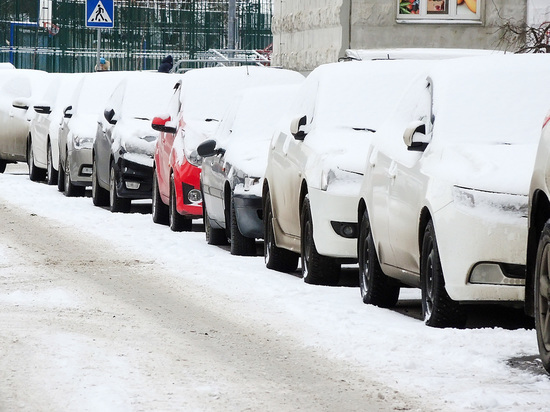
<point x="303" y="193"/>
<point x="538" y="215"/>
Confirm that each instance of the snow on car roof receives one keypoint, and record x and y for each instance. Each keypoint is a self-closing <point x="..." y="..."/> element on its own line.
<point x="206" y="93"/>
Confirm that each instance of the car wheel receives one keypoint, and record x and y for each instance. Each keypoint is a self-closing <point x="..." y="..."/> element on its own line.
<point x="71" y="190"/>
<point x="178" y="223"/>
<point x="60" y="177"/>
<point x="3" y="165"/>
<point x="240" y="244"/>
<point x="376" y="288"/>
<point x="51" y="173"/>
<point x="276" y="258"/>
<point x="542" y="296"/>
<point x="100" y="196"/>
<point x="159" y="210"/>
<point x="214" y="236"/>
<point x="438" y="309"/>
<point x="36" y="174"/>
<point x="116" y="203"/>
<point x="316" y="269"/>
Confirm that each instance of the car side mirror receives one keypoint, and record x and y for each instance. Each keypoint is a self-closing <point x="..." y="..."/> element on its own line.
<point x="161" y="124"/>
<point x="414" y="136"/>
<point x="21" y="104"/>
<point x="109" y="115"/>
<point x="42" y="109"/>
<point x="295" y="127"/>
<point x="68" y="112"/>
<point x="208" y="148"/>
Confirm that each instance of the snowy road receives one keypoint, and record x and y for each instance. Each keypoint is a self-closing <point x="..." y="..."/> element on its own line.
<point x="104" y="311"/>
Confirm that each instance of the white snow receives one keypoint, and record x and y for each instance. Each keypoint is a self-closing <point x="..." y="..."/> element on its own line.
<point x="457" y="369"/>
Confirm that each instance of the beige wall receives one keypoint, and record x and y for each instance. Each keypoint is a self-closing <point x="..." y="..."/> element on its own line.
<point x="307" y="33"/>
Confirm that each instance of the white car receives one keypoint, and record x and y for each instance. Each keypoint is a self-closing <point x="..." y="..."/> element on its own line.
<point x="316" y="161"/>
<point x="18" y="88"/>
<point x="78" y="130"/>
<point x="44" y="127"/>
<point x="444" y="198"/>
<point x="537" y="283"/>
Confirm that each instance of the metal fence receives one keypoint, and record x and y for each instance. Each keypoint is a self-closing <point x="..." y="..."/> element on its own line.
<point x="52" y="35"/>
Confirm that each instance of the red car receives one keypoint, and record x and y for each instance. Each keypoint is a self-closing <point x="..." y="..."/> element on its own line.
<point x="199" y="102"/>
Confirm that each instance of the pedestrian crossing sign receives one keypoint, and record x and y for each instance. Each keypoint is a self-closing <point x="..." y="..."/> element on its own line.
<point x="100" y="13"/>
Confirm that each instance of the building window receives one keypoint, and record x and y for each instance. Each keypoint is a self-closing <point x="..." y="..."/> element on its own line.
<point x="439" y="11"/>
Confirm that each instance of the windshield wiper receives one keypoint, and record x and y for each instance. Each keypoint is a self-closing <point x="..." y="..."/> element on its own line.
<point x="366" y="129"/>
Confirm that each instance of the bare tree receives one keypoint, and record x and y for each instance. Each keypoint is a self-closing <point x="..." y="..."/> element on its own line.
<point x="522" y="38"/>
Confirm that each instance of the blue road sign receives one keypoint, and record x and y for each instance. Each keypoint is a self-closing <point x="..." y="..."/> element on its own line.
<point x="100" y="13"/>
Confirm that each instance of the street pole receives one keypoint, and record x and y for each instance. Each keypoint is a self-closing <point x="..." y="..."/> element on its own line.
<point x="98" y="47"/>
<point x="231" y="19"/>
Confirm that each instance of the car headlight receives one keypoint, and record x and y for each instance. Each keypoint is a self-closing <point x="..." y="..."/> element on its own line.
<point x="81" y="142"/>
<point x="490" y="201"/>
<point x="193" y="158"/>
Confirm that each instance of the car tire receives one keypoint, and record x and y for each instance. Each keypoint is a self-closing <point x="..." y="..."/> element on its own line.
<point x="51" y="173"/>
<point x="100" y="196"/>
<point x="376" y="288"/>
<point x="276" y="258"/>
<point x="240" y="244"/>
<point x="438" y="309"/>
<point x="542" y="296"/>
<point x="36" y="174"/>
<point x="178" y="223"/>
<point x="316" y="269"/>
<point x="3" y="165"/>
<point x="159" y="211"/>
<point x="214" y="236"/>
<point x="116" y="203"/>
<point x="60" y="177"/>
<point x="71" y="190"/>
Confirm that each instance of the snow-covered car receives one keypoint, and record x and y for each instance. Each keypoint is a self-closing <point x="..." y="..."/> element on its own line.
<point x="78" y="129"/>
<point x="18" y="88"/>
<point x="537" y="282"/>
<point x="124" y="145"/>
<point x="44" y="127"/>
<point x="234" y="164"/>
<point x="193" y="116"/>
<point x="316" y="161"/>
<point x="444" y="198"/>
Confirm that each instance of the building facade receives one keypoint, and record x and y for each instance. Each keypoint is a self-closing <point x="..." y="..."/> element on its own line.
<point x="312" y="32"/>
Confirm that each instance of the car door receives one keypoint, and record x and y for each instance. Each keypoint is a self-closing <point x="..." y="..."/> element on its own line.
<point x="164" y="146"/>
<point x="288" y="161"/>
<point x="407" y="188"/>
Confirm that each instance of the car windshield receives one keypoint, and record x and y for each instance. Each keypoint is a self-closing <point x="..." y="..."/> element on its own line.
<point x="498" y="102"/>
<point x="360" y="95"/>
<point x="148" y="93"/>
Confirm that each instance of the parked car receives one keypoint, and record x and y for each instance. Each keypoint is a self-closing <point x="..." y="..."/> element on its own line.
<point x="193" y="116"/>
<point x="234" y="164"/>
<point x="444" y="198"/>
<point x="537" y="290"/>
<point x="78" y="129"/>
<point x="312" y="180"/>
<point x="124" y="145"/>
<point x="44" y="127"/>
<point x="18" y="88"/>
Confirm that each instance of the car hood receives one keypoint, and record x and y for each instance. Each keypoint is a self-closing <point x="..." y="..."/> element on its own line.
<point x="342" y="148"/>
<point x="503" y="168"/>
<point x="83" y="125"/>
<point x="249" y="156"/>
<point x="135" y="135"/>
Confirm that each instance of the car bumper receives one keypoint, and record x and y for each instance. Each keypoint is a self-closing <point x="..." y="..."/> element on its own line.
<point x="135" y="180"/>
<point x="329" y="210"/>
<point x="80" y="164"/>
<point x="188" y="194"/>
<point x="248" y="209"/>
<point x="482" y="255"/>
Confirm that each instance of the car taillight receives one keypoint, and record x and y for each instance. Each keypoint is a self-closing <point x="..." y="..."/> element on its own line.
<point x="546" y="120"/>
